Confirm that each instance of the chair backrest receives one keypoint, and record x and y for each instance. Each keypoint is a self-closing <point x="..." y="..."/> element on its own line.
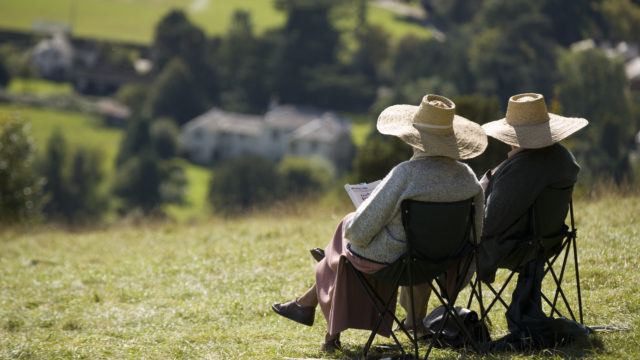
<point x="550" y="211"/>
<point x="437" y="235"/>
<point x="437" y="231"/>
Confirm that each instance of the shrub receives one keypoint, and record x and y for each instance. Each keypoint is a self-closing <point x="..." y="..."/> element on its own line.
<point x="304" y="176"/>
<point x="20" y="185"/>
<point x="243" y="183"/>
<point x="164" y="138"/>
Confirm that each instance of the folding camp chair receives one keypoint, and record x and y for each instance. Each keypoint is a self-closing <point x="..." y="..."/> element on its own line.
<point x="438" y="236"/>
<point x="550" y="240"/>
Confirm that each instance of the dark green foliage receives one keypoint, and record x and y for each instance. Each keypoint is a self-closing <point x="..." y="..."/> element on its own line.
<point x="244" y="183"/>
<point x="53" y="169"/>
<point x="309" y="39"/>
<point x="481" y="110"/>
<point x="133" y="96"/>
<point x="138" y="182"/>
<point x="175" y="94"/>
<point x="339" y="89"/>
<point x="174" y="183"/>
<point x="86" y="200"/>
<point x="378" y="155"/>
<point x="243" y="69"/>
<point x="136" y="139"/>
<point x="72" y="186"/>
<point x="176" y="37"/>
<point x="573" y="20"/>
<point x="513" y="51"/>
<point x="304" y="176"/>
<point x="621" y="19"/>
<point x="164" y="138"/>
<point x="594" y="86"/>
<point x="5" y="76"/>
<point x="446" y="14"/>
<point x="20" y="185"/>
<point x="373" y="50"/>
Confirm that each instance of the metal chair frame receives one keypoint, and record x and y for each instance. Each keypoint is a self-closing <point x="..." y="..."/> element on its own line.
<point x="382" y="305"/>
<point x="568" y="246"/>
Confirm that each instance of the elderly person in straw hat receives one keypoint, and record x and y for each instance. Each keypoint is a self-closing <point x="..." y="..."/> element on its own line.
<point x="373" y="236"/>
<point x="537" y="160"/>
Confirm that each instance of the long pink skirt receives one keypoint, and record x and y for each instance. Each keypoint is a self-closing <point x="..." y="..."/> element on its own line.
<point x="343" y="301"/>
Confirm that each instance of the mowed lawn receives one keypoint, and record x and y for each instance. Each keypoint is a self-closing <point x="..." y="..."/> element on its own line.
<point x="135" y="20"/>
<point x="161" y="290"/>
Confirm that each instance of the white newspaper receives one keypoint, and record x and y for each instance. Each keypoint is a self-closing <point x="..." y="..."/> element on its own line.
<point x="360" y="192"/>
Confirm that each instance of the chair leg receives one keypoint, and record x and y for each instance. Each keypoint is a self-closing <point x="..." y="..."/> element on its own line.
<point x="575" y="262"/>
<point x="559" y="290"/>
<point x="449" y="308"/>
<point x="382" y="307"/>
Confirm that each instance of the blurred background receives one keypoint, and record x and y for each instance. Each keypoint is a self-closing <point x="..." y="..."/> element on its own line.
<point x="180" y="109"/>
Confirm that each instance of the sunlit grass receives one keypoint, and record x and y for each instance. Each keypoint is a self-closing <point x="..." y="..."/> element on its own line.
<point x="204" y="290"/>
<point x="135" y="20"/>
<point x="38" y="87"/>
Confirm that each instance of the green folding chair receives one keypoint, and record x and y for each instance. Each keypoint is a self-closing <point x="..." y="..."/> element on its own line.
<point x="550" y="240"/>
<point x="438" y="236"/>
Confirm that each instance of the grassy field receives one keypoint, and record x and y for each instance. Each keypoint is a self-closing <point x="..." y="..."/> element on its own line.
<point x="87" y="131"/>
<point x="159" y="290"/>
<point x="134" y="20"/>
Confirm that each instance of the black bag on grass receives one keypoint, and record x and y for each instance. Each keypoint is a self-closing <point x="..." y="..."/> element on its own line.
<point x="451" y="335"/>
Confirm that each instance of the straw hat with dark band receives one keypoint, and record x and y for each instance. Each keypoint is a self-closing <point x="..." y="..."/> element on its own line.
<point x="434" y="128"/>
<point x="528" y="124"/>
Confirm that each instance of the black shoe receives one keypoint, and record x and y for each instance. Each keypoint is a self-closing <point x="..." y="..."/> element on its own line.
<point x="331" y="346"/>
<point x="292" y="311"/>
<point x="317" y="254"/>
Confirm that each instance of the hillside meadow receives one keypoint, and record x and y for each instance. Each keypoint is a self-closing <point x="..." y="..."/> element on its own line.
<point x="135" y="20"/>
<point x="87" y="131"/>
<point x="164" y="290"/>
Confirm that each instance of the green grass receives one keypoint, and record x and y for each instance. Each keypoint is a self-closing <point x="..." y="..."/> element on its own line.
<point x="80" y="130"/>
<point x="38" y="87"/>
<point x="135" y="20"/>
<point x="87" y="131"/>
<point x="162" y="290"/>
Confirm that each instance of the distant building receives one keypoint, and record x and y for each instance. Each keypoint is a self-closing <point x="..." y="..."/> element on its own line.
<point x="53" y="57"/>
<point x="284" y="130"/>
<point x="114" y="113"/>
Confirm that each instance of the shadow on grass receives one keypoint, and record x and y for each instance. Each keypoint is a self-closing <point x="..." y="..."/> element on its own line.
<point x="589" y="347"/>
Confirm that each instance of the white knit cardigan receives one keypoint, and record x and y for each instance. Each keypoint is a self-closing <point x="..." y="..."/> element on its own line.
<point x="375" y="232"/>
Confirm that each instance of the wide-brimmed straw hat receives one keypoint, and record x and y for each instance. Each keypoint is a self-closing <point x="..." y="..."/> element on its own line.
<point x="434" y="128"/>
<point x="529" y="125"/>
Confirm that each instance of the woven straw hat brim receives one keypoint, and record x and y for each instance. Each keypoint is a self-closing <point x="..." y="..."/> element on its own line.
<point x="467" y="141"/>
<point x="535" y="136"/>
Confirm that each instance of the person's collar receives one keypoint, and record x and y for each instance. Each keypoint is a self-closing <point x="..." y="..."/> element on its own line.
<point x="513" y="152"/>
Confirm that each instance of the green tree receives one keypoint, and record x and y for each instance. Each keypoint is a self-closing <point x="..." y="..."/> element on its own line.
<point x="379" y="154"/>
<point x="304" y="176"/>
<point x="86" y="200"/>
<point x="308" y="40"/>
<point x="177" y="37"/>
<point x="482" y="109"/>
<point x="164" y="138"/>
<point x="5" y="76"/>
<point x="622" y="19"/>
<point x="243" y="183"/>
<point x="133" y="96"/>
<point x="20" y="185"/>
<point x="595" y="87"/>
<point x="136" y="139"/>
<point x="138" y="182"/>
<point x="57" y="190"/>
<point x="175" y="94"/>
<point x="243" y="70"/>
<point x="513" y="51"/>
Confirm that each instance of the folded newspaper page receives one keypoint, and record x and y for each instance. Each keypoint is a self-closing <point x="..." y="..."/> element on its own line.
<point x="360" y="192"/>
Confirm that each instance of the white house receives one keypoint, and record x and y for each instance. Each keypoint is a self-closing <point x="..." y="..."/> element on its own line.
<point x="284" y="130"/>
<point x="53" y="57"/>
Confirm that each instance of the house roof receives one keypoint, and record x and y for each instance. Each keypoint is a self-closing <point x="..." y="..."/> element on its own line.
<point x="291" y="117"/>
<point x="217" y="120"/>
<point x="325" y="129"/>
